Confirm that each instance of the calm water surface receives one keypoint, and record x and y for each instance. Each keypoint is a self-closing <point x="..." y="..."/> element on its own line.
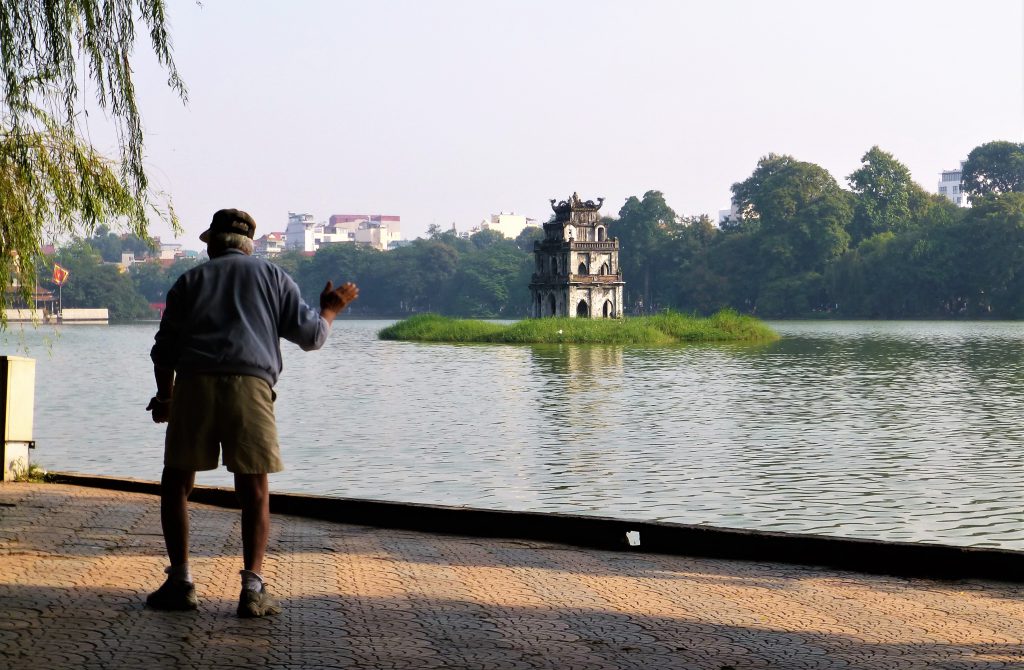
<point x="890" y="430"/>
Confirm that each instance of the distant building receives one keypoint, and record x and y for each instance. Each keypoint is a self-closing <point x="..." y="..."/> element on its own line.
<point x="509" y="225"/>
<point x="951" y="185"/>
<point x="170" y="250"/>
<point x="379" y="231"/>
<point x="269" y="245"/>
<point x="730" y="215"/>
<point x="300" y="235"/>
<point x="127" y="261"/>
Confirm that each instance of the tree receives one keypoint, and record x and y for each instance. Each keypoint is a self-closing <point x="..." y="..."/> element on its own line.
<point x="526" y="238"/>
<point x="694" y="285"/>
<point x="52" y="182"/>
<point x="746" y="192"/>
<point x="486" y="238"/>
<point x="884" y="189"/>
<point x="643" y="228"/>
<point x="993" y="240"/>
<point x="801" y="214"/>
<point x="111" y="245"/>
<point x="994" y="168"/>
<point x="94" y="284"/>
<point x="150" y="281"/>
<point x="483" y="284"/>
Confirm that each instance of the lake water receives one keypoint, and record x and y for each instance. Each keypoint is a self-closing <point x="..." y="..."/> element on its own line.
<point x="889" y="430"/>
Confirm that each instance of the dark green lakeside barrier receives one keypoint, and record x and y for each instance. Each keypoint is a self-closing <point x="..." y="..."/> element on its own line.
<point x="907" y="559"/>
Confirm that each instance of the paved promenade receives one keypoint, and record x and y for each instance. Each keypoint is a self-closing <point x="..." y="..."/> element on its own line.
<point x="76" y="563"/>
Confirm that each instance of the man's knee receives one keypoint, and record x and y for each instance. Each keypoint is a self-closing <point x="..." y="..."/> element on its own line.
<point x="176" y="482"/>
<point x="253" y="490"/>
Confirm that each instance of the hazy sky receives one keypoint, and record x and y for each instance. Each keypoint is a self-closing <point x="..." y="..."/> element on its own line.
<point x="446" y="111"/>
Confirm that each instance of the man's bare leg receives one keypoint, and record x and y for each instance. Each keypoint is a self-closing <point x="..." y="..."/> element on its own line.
<point x="175" y="487"/>
<point x="178" y="592"/>
<point x="254" y="496"/>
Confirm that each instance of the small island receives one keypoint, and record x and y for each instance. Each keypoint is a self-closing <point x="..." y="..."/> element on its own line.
<point x="659" y="329"/>
<point x="576" y="298"/>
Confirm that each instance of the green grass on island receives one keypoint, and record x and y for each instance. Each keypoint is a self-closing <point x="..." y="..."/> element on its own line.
<point x="663" y="328"/>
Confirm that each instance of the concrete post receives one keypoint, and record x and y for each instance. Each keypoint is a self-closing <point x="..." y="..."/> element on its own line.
<point x="17" y="403"/>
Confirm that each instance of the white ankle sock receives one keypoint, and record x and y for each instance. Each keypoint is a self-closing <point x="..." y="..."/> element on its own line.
<point x="251" y="580"/>
<point x="180" y="572"/>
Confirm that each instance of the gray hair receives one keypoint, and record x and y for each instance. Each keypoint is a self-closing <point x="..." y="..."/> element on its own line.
<point x="218" y="243"/>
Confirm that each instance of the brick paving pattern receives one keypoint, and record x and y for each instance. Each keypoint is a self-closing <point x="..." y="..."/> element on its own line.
<point x="76" y="564"/>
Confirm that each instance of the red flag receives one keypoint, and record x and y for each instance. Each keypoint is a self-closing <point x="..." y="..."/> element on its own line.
<point x="60" y="275"/>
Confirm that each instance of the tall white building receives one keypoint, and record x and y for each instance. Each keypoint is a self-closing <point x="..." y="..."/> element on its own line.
<point x="951" y="185"/>
<point x="300" y="235"/>
<point x="732" y="214"/>
<point x="509" y="225"/>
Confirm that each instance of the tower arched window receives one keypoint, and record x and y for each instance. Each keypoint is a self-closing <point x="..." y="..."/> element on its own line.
<point x="582" y="269"/>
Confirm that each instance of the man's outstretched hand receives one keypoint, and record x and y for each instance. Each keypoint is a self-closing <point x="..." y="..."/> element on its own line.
<point x="334" y="300"/>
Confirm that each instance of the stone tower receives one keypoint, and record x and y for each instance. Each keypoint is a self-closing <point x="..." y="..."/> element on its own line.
<point x="577" y="272"/>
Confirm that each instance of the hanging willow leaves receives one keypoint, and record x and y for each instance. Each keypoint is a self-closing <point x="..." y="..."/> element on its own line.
<point x="52" y="182"/>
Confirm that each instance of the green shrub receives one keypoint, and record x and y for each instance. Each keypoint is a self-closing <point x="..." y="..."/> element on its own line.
<point x="30" y="473"/>
<point x="665" y="328"/>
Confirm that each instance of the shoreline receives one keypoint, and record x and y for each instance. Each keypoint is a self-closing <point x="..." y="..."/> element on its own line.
<point x="904" y="559"/>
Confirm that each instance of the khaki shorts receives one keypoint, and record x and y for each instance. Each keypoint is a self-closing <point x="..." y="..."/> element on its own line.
<point x="235" y="412"/>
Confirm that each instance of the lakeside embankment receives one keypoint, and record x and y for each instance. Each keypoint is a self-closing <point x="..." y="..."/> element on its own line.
<point x="659" y="329"/>
<point x="362" y="597"/>
<point x="907" y="559"/>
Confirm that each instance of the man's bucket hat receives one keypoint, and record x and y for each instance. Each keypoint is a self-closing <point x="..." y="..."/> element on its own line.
<point x="230" y="221"/>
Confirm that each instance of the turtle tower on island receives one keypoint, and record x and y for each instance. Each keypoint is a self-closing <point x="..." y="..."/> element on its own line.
<point x="577" y="270"/>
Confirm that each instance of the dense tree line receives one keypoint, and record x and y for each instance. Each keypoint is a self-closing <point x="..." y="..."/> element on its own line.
<point x="486" y="275"/>
<point x="801" y="245"/>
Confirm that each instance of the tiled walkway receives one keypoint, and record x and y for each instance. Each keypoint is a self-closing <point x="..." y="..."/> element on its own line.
<point x="76" y="563"/>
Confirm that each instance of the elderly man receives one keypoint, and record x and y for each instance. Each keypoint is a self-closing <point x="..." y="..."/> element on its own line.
<point x="216" y="359"/>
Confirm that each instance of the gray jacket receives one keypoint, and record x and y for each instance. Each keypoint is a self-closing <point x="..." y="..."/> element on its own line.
<point x="227" y="316"/>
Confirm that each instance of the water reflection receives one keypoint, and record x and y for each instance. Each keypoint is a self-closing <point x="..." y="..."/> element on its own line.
<point x="579" y="384"/>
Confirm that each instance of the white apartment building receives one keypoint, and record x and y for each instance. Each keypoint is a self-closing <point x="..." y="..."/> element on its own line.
<point x="374" y="230"/>
<point x="509" y="225"/>
<point x="732" y="214"/>
<point x="300" y="235"/>
<point x="951" y="186"/>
